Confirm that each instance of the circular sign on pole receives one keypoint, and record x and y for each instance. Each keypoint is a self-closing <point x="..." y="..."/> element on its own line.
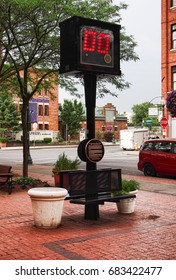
<point x="94" y="150"/>
<point x="164" y="122"/>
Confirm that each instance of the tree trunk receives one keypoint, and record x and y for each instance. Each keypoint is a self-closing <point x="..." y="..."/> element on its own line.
<point x="25" y="136"/>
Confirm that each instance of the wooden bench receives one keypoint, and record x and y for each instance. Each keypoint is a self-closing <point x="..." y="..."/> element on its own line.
<point x="92" y="188"/>
<point x="6" y="177"/>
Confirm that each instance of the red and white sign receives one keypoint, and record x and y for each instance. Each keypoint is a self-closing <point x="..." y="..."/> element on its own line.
<point x="164" y="122"/>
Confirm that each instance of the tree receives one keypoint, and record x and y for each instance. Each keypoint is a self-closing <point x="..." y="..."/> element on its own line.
<point x="71" y="114"/>
<point x="141" y="114"/>
<point x="29" y="44"/>
<point x="9" y="116"/>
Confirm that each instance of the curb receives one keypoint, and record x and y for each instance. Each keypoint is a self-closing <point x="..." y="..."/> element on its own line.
<point x="50" y="147"/>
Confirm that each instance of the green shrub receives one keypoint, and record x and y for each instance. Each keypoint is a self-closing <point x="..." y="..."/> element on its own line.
<point x="3" y="139"/>
<point x="59" y="137"/>
<point x="37" y="141"/>
<point x="108" y="136"/>
<point x="98" y="134"/>
<point x="28" y="181"/>
<point x="128" y="186"/>
<point x="63" y="163"/>
<point x="47" y="140"/>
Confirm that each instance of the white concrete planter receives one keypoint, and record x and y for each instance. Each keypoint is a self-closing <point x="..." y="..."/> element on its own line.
<point x="47" y="206"/>
<point x="126" y="206"/>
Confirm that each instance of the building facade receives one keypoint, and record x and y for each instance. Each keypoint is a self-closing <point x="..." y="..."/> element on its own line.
<point x="107" y="119"/>
<point x="43" y="109"/>
<point x="168" y="67"/>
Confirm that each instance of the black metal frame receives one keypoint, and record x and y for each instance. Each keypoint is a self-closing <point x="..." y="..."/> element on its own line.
<point x="6" y="177"/>
<point x="92" y="188"/>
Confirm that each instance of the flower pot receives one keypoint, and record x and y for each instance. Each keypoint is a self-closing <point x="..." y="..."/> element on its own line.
<point x="126" y="206"/>
<point x="65" y="179"/>
<point x="47" y="206"/>
<point x="3" y="144"/>
<point x="57" y="180"/>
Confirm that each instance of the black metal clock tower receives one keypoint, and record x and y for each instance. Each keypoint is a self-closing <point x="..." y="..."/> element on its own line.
<point x="89" y="48"/>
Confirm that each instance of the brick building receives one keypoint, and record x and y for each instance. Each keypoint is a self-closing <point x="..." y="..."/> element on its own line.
<point x="108" y="120"/>
<point x="168" y="68"/>
<point x="43" y="109"/>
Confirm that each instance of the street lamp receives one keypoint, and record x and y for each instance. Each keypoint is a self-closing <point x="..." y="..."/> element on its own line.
<point x="29" y="89"/>
<point x="159" y="113"/>
<point x="162" y="103"/>
<point x="114" y="139"/>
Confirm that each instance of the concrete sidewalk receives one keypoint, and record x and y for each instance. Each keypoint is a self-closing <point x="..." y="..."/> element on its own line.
<point x="147" y="234"/>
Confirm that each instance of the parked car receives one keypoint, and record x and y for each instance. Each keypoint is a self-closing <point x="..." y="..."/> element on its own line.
<point x="158" y="156"/>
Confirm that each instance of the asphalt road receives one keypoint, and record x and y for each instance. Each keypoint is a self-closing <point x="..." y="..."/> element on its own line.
<point x="114" y="158"/>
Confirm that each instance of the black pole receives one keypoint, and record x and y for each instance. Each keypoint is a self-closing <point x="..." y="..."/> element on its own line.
<point x="90" y="98"/>
<point x="28" y="136"/>
<point x="91" y="211"/>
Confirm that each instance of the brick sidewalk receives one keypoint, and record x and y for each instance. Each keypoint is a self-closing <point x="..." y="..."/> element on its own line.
<point x="149" y="233"/>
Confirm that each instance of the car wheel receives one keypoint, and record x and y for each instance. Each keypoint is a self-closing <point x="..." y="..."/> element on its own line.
<point x="149" y="170"/>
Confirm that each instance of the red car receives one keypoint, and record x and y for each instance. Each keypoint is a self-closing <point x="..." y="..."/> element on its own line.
<point x="158" y="156"/>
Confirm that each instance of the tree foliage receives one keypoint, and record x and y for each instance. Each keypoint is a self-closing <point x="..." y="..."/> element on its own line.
<point x="71" y="114"/>
<point x="29" y="44"/>
<point x="29" y="32"/>
<point x="9" y="116"/>
<point x="141" y="114"/>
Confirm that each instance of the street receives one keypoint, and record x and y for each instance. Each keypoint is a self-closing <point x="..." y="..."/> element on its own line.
<point x="114" y="157"/>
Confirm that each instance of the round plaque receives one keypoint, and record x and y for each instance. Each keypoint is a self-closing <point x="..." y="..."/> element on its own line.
<point x="94" y="150"/>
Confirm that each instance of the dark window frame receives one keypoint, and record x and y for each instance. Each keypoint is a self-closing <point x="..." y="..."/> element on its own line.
<point x="173" y="36"/>
<point x="173" y="73"/>
<point x="46" y="110"/>
<point x="173" y="3"/>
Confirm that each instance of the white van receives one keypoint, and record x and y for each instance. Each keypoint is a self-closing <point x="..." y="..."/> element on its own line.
<point x="132" y="139"/>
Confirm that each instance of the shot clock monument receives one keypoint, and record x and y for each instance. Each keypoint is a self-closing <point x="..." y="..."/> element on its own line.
<point x="89" y="46"/>
<point x="90" y="49"/>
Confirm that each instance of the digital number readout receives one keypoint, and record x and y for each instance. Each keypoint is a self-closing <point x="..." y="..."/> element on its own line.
<point x="96" y="42"/>
<point x="96" y="46"/>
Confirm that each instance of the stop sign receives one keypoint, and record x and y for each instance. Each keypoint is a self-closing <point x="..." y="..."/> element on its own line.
<point x="164" y="122"/>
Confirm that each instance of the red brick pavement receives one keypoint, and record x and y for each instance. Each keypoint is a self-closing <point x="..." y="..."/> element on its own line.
<point x="149" y="233"/>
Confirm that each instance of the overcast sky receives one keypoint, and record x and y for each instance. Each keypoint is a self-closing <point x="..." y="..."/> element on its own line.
<point x="142" y="19"/>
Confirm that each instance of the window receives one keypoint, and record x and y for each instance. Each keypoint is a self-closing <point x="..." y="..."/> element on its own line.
<point x="46" y="126"/>
<point x="173" y="3"/>
<point x="173" y="77"/>
<point x="46" y="110"/>
<point x="162" y="146"/>
<point x="174" y="148"/>
<point x="173" y="31"/>
<point x="40" y="126"/>
<point x="109" y="115"/>
<point x="148" y="146"/>
<point x="40" y="110"/>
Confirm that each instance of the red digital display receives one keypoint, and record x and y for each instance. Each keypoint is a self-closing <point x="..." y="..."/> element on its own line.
<point x="96" y="41"/>
<point x="96" y="46"/>
<point x="89" y="42"/>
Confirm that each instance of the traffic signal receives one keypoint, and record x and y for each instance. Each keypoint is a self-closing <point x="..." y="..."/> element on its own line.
<point x="88" y="45"/>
